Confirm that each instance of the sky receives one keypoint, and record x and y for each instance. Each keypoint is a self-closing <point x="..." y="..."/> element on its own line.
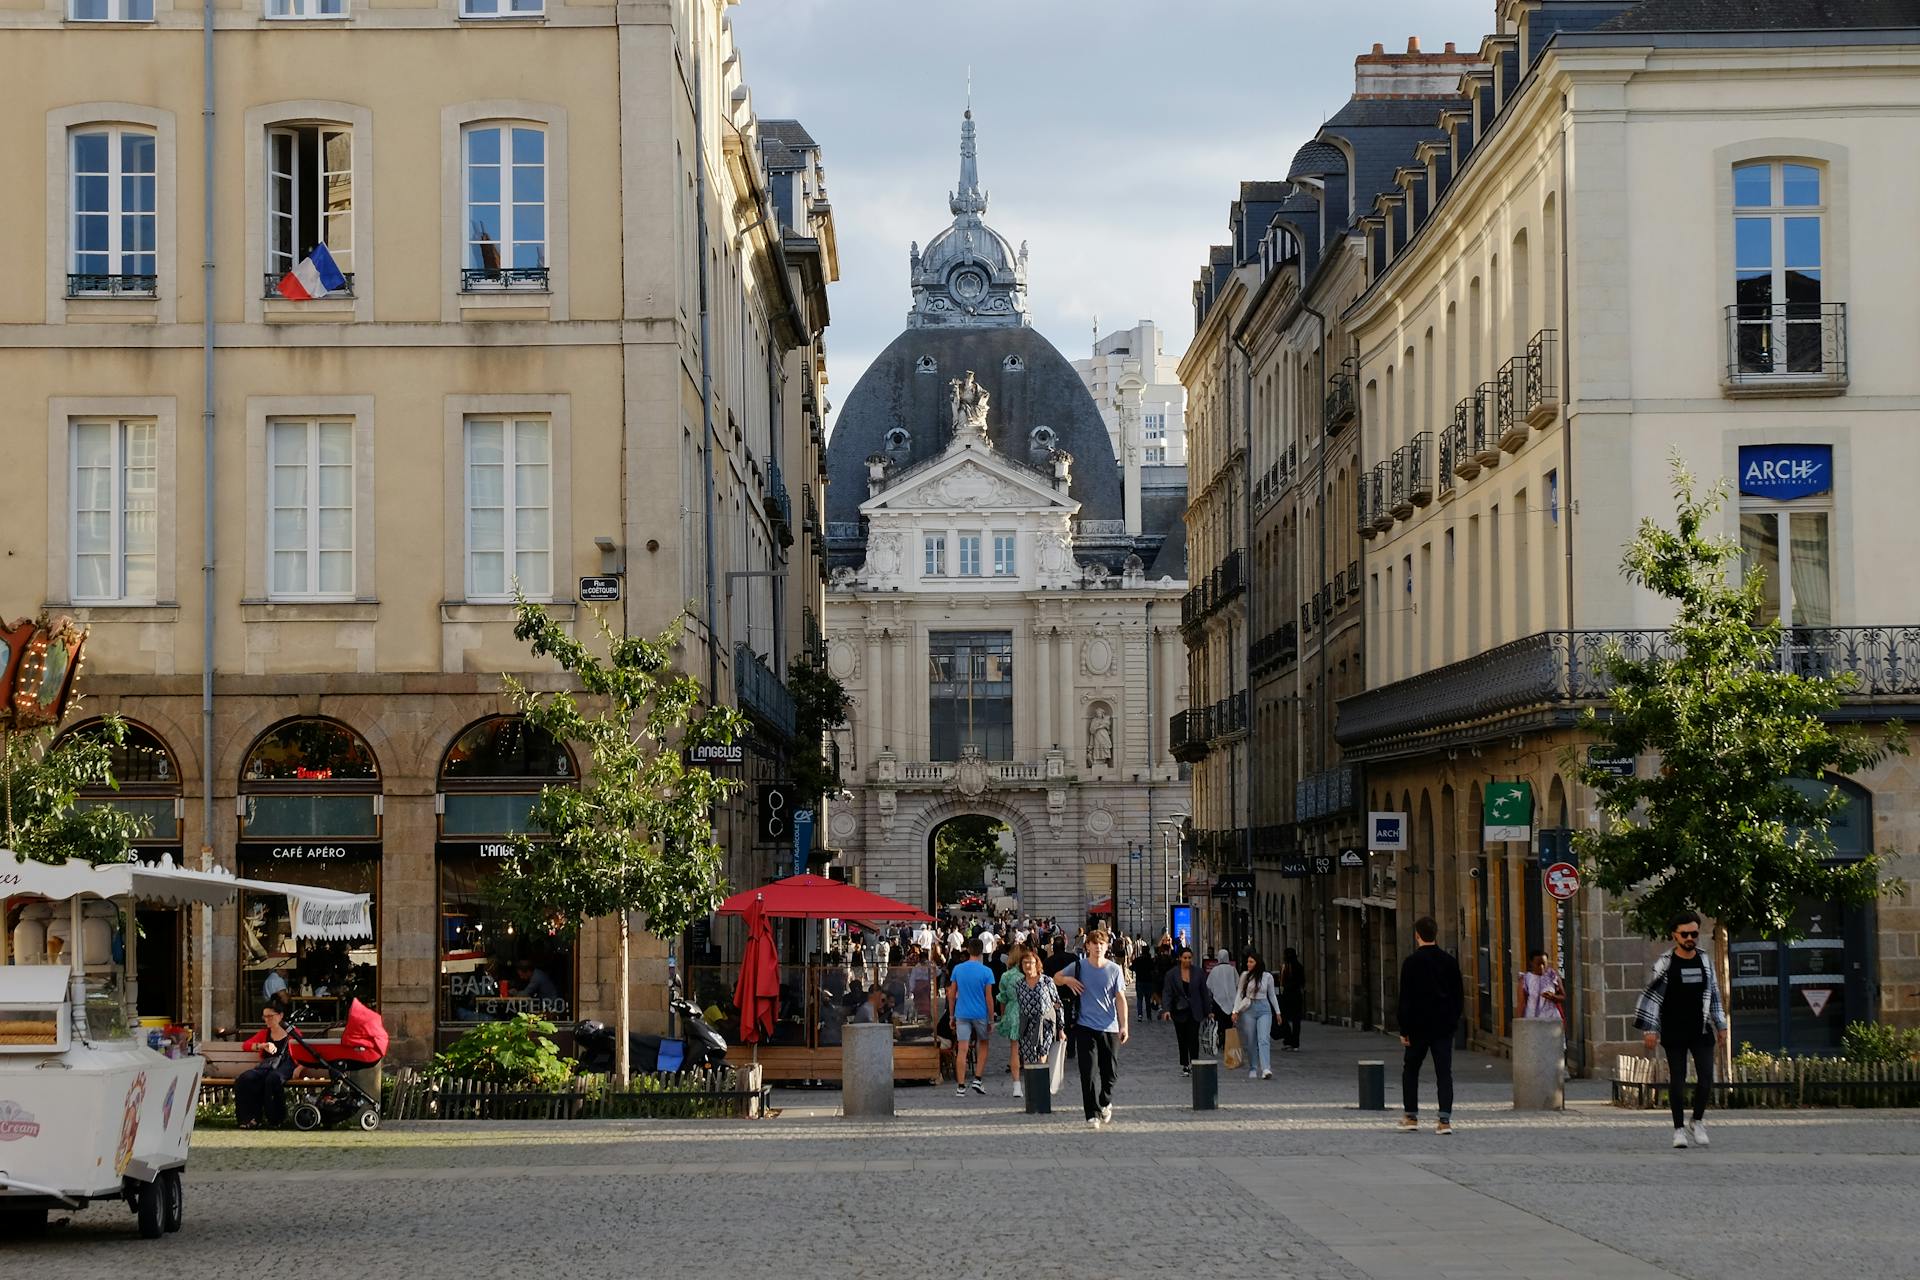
<point x="1113" y="134"/>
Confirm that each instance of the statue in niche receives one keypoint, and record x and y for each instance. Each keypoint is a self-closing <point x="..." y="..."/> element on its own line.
<point x="1100" y="735"/>
<point x="969" y="405"/>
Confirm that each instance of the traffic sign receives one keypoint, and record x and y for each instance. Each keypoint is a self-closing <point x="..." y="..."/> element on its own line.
<point x="1619" y="766"/>
<point x="1563" y="880"/>
<point x="1816" y="998"/>
<point x="1352" y="858"/>
<point x="599" y="590"/>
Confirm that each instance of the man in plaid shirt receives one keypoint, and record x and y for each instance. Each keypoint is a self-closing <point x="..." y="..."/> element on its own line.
<point x="1681" y="1009"/>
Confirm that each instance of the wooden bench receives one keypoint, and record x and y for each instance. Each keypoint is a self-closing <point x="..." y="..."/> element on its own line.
<point x="227" y="1059"/>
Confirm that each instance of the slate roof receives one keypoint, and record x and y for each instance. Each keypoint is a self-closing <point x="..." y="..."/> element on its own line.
<point x="1765" y="15"/>
<point x="1387" y="113"/>
<point x="1316" y="160"/>
<point x="789" y="132"/>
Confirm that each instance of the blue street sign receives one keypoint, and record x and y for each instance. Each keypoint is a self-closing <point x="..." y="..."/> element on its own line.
<point x="802" y="839"/>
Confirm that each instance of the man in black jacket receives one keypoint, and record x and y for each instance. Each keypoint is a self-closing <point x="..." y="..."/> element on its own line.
<point x="1431" y="1001"/>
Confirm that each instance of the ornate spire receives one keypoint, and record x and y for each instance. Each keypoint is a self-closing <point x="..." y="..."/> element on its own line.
<point x="969" y="199"/>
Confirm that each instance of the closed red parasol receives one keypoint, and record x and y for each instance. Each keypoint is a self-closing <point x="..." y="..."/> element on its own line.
<point x="818" y="898"/>
<point x="756" y="993"/>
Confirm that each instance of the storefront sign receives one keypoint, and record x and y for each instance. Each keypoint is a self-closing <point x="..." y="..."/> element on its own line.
<point x="475" y="848"/>
<point x="802" y="839"/>
<point x="1387" y="832"/>
<point x="311" y="852"/>
<point x="1783" y="472"/>
<point x="330" y="919"/>
<point x="1324" y="864"/>
<point x="1507" y="811"/>
<point x="712" y="755"/>
<point x="1351" y="858"/>
<point x="1293" y="866"/>
<point x="1233" y="884"/>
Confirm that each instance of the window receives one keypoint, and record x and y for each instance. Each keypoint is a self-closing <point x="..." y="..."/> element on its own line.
<point x="969" y="555"/>
<point x="1777" y="268"/>
<point x="306" y="8"/>
<point x="112" y="11"/>
<point x="1794" y="550"/>
<point x="1553" y="496"/>
<point x="310" y="518"/>
<point x="1154" y="426"/>
<point x="309" y="197"/>
<point x="506" y="203"/>
<point x="970" y="694"/>
<point x="116" y="501"/>
<point x="1003" y="561"/>
<point x="502" y="8"/>
<point x="114" y="230"/>
<point x="1156" y="453"/>
<point x="935" y="545"/>
<point x="509" y="508"/>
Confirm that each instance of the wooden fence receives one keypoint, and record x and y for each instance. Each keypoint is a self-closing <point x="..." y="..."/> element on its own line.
<point x="674" y="1095"/>
<point x="1788" y="1082"/>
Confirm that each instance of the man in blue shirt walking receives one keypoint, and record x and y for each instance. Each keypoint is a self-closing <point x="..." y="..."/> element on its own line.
<point x="970" y="997"/>
<point x="1101" y="1028"/>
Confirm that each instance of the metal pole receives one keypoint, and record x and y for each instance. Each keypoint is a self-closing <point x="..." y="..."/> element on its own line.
<point x="208" y="742"/>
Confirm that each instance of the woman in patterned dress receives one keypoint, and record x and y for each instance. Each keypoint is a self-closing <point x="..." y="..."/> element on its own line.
<point x="1042" y="1015"/>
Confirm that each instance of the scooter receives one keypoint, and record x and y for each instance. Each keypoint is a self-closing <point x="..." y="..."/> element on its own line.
<point x="702" y="1047"/>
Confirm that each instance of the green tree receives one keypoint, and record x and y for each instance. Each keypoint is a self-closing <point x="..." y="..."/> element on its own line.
<point x="1718" y="827"/>
<point x="966" y="849"/>
<point x="40" y="782"/>
<point x="820" y="705"/>
<point x="637" y="833"/>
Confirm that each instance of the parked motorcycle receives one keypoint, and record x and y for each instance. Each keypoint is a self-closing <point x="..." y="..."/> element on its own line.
<point x="700" y="1047"/>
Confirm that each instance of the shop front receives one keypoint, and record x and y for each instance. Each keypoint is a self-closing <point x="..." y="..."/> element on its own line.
<point x="490" y="969"/>
<point x="310" y="812"/>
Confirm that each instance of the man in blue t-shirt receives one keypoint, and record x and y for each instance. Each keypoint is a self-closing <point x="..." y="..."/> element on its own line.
<point x="970" y="998"/>
<point x="1101" y="1028"/>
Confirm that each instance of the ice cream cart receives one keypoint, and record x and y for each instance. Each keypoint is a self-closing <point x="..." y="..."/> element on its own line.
<point x="89" y="1109"/>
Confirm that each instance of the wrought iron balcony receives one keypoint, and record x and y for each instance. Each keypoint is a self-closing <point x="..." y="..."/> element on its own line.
<point x="1541" y="403"/>
<point x="1341" y="404"/>
<point x="1786" y="349"/>
<point x="510" y="279"/>
<point x="815" y="643"/>
<point x="1543" y="679"/>
<point x="95" y="285"/>
<point x="1377" y="501"/>
<point x="1278" y="648"/>
<point x="1227" y="716"/>
<point x="760" y="692"/>
<point x="1413" y="475"/>
<point x="1444" y="477"/>
<point x="273" y="279"/>
<point x="1363" y="504"/>
<point x="779" y="506"/>
<point x="1353" y="579"/>
<point x="1510" y="426"/>
<point x="1465" y="463"/>
<point x="1187" y="736"/>
<point x="1212" y="592"/>
<point x="1330" y="793"/>
<point x="1486" y="436"/>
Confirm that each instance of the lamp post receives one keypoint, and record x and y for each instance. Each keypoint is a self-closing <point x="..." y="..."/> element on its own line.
<point x="1171" y="878"/>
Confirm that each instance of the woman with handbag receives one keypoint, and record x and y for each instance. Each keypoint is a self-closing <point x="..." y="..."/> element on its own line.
<point x="1256" y="1010"/>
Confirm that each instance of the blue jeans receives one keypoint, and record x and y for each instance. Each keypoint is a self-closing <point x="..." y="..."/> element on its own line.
<point x="1256" y="1026"/>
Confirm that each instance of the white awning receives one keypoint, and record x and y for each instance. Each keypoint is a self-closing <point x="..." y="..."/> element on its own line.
<point x="316" y="913"/>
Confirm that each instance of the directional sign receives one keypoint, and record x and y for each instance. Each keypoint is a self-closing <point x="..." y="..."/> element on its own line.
<point x="1598" y="757"/>
<point x="599" y="590"/>
<point x="1352" y="858"/>
<point x="1324" y="864"/>
<point x="1563" y="880"/>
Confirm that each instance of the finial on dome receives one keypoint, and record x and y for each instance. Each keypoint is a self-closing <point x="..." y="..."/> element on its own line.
<point x="968" y="198"/>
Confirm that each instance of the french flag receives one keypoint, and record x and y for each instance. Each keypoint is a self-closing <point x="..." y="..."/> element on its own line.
<point x="315" y="277"/>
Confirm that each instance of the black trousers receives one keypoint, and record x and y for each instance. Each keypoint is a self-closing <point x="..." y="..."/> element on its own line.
<point x="260" y="1093"/>
<point x="1418" y="1047"/>
<point x="1096" y="1057"/>
<point x="1187" y="1031"/>
<point x="1291" y="1010"/>
<point x="1700" y="1048"/>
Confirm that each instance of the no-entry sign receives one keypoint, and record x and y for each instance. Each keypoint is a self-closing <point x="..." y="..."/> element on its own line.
<point x="1563" y="880"/>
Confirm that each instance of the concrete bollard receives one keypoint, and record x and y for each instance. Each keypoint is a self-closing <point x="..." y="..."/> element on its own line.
<point x="1539" y="1056"/>
<point x="1036" y="1087"/>
<point x="1373" y="1086"/>
<point x="1206" y="1085"/>
<point x="866" y="1069"/>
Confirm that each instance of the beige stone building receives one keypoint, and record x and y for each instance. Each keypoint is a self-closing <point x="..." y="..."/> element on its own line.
<point x="575" y="332"/>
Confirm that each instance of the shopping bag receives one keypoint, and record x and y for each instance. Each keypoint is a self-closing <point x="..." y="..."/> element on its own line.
<point x="1231" y="1057"/>
<point x="1057" y="1066"/>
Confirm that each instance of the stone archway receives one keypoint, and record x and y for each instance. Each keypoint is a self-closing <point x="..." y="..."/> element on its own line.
<point x="936" y="815"/>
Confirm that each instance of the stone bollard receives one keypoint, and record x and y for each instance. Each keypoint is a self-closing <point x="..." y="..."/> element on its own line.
<point x="866" y="1069"/>
<point x="1373" y="1086"/>
<point x="1036" y="1086"/>
<point x="1206" y="1084"/>
<point x="1539" y="1058"/>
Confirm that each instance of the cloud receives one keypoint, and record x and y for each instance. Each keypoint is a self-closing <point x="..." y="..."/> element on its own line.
<point x="1113" y="133"/>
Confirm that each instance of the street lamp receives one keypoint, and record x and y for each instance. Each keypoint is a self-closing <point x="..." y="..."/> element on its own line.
<point x="1170" y="881"/>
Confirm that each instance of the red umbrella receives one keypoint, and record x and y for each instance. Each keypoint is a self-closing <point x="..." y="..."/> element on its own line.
<point x="756" y="994"/>
<point x="818" y="898"/>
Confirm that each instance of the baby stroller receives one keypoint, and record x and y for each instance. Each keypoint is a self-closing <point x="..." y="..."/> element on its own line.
<point x="363" y="1042"/>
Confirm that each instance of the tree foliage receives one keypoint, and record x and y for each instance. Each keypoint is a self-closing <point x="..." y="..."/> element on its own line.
<point x="820" y="704"/>
<point x="41" y="778"/>
<point x="965" y="850"/>
<point x="1718" y="827"/>
<point x="637" y="833"/>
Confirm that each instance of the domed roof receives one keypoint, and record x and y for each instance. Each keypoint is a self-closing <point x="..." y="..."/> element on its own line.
<point x="969" y="274"/>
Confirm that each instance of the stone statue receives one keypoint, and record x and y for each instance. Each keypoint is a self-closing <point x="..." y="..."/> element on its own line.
<point x="1100" y="736"/>
<point x="969" y="405"/>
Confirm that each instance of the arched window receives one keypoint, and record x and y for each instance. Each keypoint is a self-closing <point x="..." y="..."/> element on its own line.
<point x="310" y="806"/>
<point x="490" y="779"/>
<point x="148" y="786"/>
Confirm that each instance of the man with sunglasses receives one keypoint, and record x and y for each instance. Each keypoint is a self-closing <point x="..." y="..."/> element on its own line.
<point x="1681" y="1010"/>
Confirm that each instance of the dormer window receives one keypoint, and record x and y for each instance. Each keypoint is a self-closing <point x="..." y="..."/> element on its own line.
<point x="1013" y="364"/>
<point x="926" y="364"/>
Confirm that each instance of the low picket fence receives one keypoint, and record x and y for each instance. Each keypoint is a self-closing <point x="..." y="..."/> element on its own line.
<point x="1789" y="1082"/>
<point x="664" y="1095"/>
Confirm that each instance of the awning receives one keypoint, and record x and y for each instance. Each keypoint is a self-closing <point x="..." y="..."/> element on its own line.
<point x="818" y="898"/>
<point x="316" y="913"/>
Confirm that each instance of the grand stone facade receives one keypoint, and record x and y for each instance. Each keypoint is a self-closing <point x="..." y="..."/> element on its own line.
<point x="1010" y="637"/>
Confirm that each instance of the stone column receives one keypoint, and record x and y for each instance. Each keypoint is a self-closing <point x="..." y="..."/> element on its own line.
<point x="879" y="714"/>
<point x="1042" y="696"/>
<point x="901" y="719"/>
<point x="1069" y="731"/>
<point x="1173" y="665"/>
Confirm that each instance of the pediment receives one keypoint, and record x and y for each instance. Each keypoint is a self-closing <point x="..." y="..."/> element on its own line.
<point x="971" y="480"/>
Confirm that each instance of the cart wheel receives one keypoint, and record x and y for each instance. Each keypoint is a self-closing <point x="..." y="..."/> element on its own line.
<point x="369" y="1119"/>
<point x="146" y="1206"/>
<point x="306" y="1116"/>
<point x="173" y="1200"/>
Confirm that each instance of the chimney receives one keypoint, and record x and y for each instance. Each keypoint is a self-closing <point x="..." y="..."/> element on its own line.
<point x="1413" y="74"/>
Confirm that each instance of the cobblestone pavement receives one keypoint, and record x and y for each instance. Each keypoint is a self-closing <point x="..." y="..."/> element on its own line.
<point x="1286" y="1179"/>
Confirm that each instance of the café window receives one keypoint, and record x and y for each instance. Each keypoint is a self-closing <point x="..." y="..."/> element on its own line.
<point x="310" y="807"/>
<point x="490" y="969"/>
<point x="970" y="694"/>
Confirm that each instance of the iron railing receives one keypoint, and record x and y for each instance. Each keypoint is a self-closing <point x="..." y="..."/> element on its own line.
<point x="1486" y="438"/>
<point x="1510" y="425"/>
<point x="1363" y="504"/>
<point x="489" y="279"/>
<point x="1465" y="464"/>
<point x="273" y="279"/>
<point x="1186" y="743"/>
<point x="1341" y="403"/>
<point x="1413" y="475"/>
<point x="779" y="505"/>
<point x="1382" y="511"/>
<point x="1541" y="401"/>
<point x="1214" y="589"/>
<point x="1445" y="474"/>
<point x="85" y="284"/>
<point x="1562" y="668"/>
<point x="1802" y="342"/>
<point x="760" y="692"/>
<point x="815" y="643"/>
<point x="1275" y="649"/>
<point x="1326" y="794"/>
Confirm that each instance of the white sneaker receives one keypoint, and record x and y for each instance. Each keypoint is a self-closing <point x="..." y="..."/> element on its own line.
<point x="1267" y="1075"/>
<point x="1254" y="1074"/>
<point x="1106" y="1115"/>
<point x="1093" y="1122"/>
<point x="1697" y="1130"/>
<point x="1680" y="1139"/>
